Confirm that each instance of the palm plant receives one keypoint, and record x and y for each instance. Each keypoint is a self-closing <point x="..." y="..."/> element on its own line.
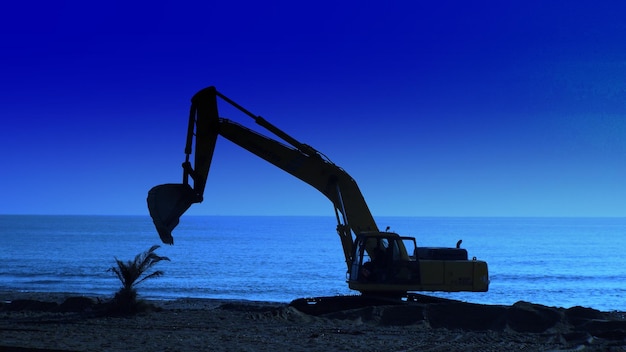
<point x="130" y="275"/>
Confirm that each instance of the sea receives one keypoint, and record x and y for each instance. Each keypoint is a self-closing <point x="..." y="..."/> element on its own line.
<point x="561" y="262"/>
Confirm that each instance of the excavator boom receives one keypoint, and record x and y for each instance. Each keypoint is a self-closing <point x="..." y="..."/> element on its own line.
<point x="168" y="202"/>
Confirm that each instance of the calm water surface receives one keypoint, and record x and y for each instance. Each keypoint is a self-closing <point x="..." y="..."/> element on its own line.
<point x="553" y="261"/>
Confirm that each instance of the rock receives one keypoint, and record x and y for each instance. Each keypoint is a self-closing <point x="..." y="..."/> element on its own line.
<point x="76" y="304"/>
<point x="529" y="317"/>
<point x="606" y="329"/>
<point x="466" y="316"/>
<point x="30" y="305"/>
<point x="579" y="315"/>
<point x="578" y="338"/>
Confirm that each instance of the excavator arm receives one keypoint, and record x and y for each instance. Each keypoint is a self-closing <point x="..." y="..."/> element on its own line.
<point x="168" y="202"/>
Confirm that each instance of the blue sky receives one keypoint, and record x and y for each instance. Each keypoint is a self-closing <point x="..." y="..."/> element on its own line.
<point x="455" y="109"/>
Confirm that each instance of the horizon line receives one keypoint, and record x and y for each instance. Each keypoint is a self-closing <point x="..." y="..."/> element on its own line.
<point x="331" y="216"/>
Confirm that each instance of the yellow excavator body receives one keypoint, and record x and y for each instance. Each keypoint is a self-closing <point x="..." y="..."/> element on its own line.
<point x="379" y="263"/>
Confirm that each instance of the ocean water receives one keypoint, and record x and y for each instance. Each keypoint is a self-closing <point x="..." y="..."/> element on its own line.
<point x="561" y="262"/>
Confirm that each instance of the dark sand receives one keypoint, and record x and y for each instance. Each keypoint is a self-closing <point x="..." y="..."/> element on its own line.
<point x="27" y="323"/>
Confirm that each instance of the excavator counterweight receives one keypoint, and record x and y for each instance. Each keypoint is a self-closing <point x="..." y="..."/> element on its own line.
<point x="378" y="263"/>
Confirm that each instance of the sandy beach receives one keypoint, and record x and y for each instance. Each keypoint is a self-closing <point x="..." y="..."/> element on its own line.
<point x="45" y="322"/>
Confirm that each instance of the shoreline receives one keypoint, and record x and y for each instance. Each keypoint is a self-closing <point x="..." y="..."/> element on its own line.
<point x="59" y="297"/>
<point x="191" y="324"/>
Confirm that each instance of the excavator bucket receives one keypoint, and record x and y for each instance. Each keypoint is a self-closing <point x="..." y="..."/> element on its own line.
<point x="166" y="204"/>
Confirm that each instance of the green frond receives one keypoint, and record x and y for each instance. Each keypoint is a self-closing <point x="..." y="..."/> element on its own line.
<point x="130" y="274"/>
<point x="154" y="274"/>
<point x="130" y="271"/>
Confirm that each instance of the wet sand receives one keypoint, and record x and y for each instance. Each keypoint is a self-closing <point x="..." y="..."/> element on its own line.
<point x="41" y="322"/>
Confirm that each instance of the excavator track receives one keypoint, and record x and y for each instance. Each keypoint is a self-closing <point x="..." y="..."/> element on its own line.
<point x="331" y="304"/>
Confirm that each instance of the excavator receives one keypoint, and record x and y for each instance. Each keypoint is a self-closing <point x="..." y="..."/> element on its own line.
<point x="379" y="263"/>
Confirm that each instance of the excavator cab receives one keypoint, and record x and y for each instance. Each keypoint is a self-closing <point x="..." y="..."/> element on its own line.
<point x="384" y="258"/>
<point x="388" y="264"/>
